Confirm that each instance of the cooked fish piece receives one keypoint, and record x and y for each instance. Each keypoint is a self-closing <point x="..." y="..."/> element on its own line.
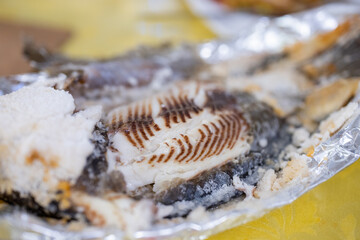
<point x="270" y="136"/>
<point x="192" y="134"/>
<point x="175" y="135"/>
<point x="165" y="148"/>
<point x="190" y="142"/>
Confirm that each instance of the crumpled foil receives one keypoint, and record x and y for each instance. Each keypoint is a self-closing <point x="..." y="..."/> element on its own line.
<point x="252" y="33"/>
<point x="330" y="157"/>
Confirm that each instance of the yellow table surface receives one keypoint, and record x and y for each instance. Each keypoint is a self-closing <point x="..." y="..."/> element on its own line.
<point x="103" y="28"/>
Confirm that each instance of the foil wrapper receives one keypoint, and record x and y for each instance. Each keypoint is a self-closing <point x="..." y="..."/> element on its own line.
<point x="265" y="35"/>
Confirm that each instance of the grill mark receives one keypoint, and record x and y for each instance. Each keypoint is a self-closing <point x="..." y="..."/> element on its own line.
<point x="113" y="127"/>
<point x="211" y="102"/>
<point x="152" y="159"/>
<point x="141" y="123"/>
<point x="129" y="138"/>
<point x="194" y="107"/>
<point x="160" y="158"/>
<point x="172" y="111"/>
<point x="221" y="137"/>
<point x="147" y="119"/>
<point x="115" y="122"/>
<point x="172" y="150"/>
<point x="241" y="121"/>
<point x="137" y="128"/>
<point x="141" y="129"/>
<point x="180" y="109"/>
<point x="237" y="123"/>
<point x="147" y="126"/>
<point x="184" y="104"/>
<point x="186" y="138"/>
<point x="134" y="126"/>
<point x="177" y="109"/>
<point x="197" y="146"/>
<point x="127" y="131"/>
<point x="164" y="113"/>
<point x="231" y="130"/>
<point x="224" y="136"/>
<point x="240" y="127"/>
<point x="216" y="138"/>
<point x="208" y="140"/>
<point x="182" y="149"/>
<point x="228" y="132"/>
<point x="129" y="117"/>
<point x="112" y="149"/>
<point x="155" y="126"/>
<point x="237" y="126"/>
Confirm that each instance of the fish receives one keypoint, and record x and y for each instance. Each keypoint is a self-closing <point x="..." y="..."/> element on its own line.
<point x="190" y="137"/>
<point x="191" y="134"/>
<point x="176" y="144"/>
<point x="174" y="134"/>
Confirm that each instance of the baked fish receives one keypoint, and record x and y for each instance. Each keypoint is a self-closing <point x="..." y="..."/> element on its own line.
<point x="174" y="145"/>
<point x="108" y="143"/>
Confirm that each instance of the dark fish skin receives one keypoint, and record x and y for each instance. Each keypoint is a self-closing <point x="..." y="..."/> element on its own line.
<point x="264" y="125"/>
<point x="94" y="180"/>
<point x="96" y="164"/>
<point x="133" y="69"/>
<point x="29" y="203"/>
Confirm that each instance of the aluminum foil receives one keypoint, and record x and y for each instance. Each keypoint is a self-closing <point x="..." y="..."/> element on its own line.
<point x="265" y="34"/>
<point x="330" y="157"/>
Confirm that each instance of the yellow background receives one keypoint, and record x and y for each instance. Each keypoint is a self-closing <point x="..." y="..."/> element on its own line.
<point x="102" y="28"/>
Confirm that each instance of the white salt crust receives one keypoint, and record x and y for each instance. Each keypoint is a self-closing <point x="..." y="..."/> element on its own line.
<point x="43" y="142"/>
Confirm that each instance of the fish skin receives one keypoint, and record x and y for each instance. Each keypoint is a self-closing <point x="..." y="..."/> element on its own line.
<point x="28" y="203"/>
<point x="94" y="179"/>
<point x="133" y="69"/>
